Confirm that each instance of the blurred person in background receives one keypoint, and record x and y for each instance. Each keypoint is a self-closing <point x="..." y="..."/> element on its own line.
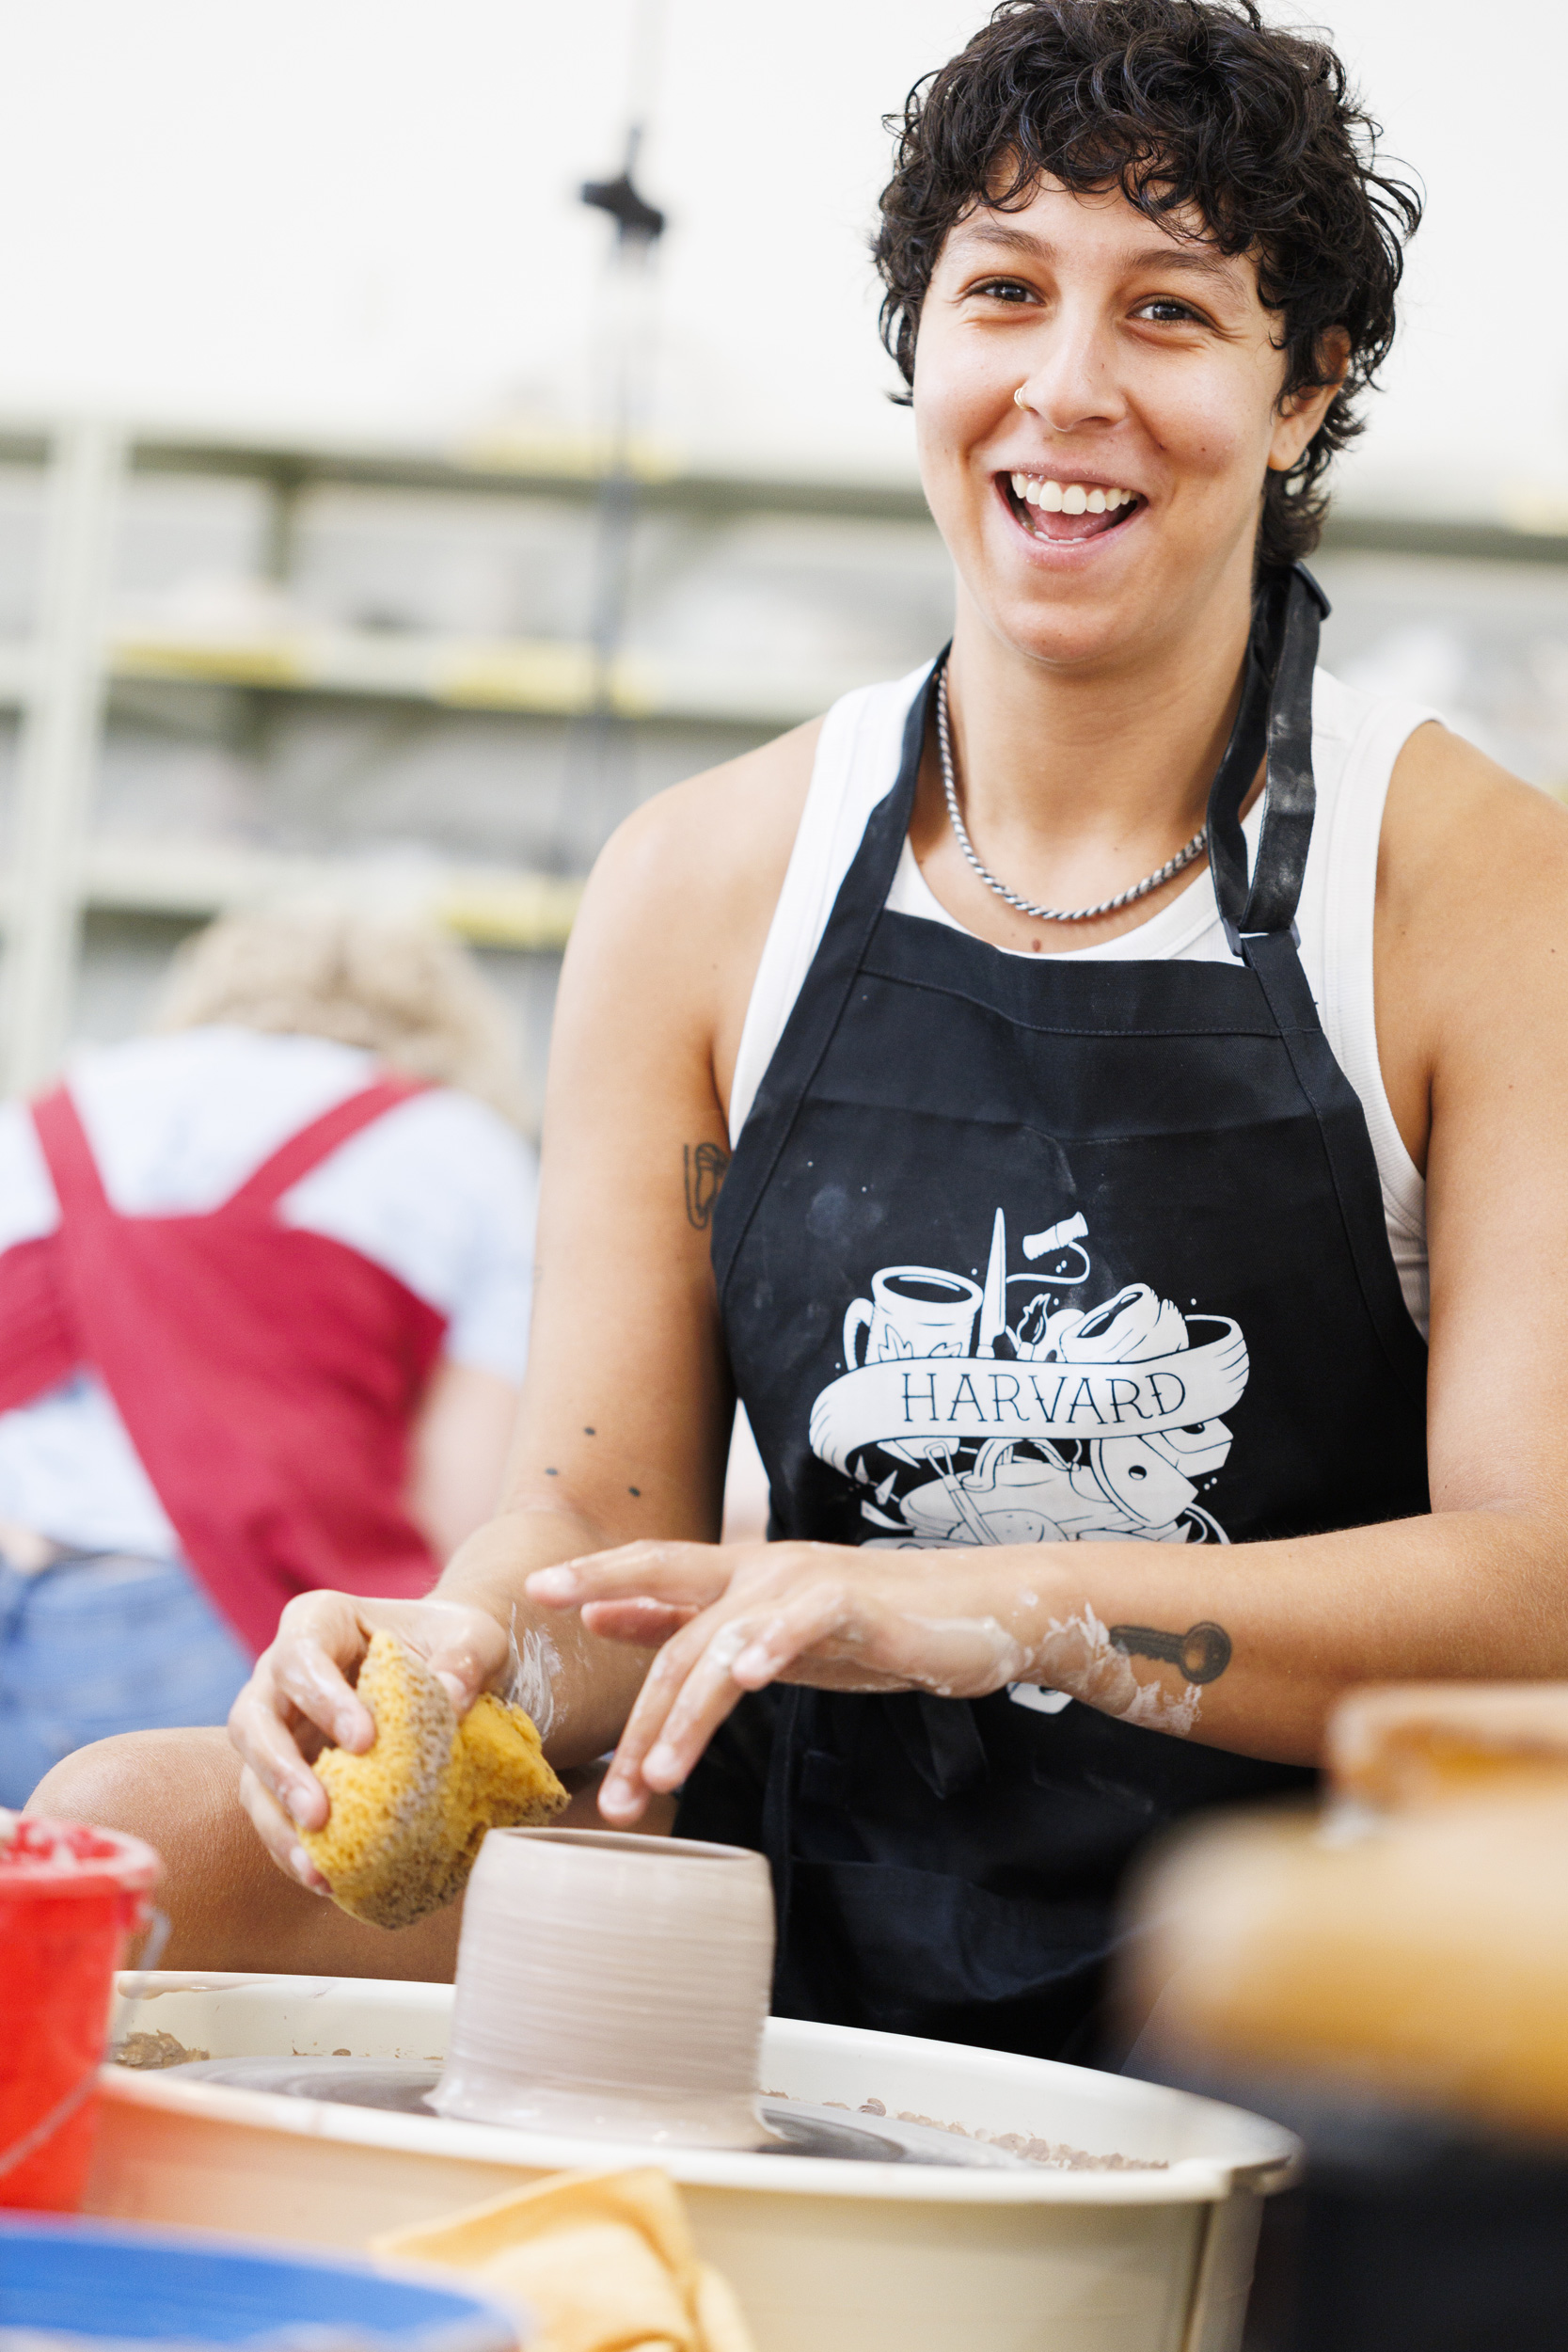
<point x="265" y="1282"/>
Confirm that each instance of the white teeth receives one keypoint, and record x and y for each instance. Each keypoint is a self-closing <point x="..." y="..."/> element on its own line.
<point x="1070" y="497"/>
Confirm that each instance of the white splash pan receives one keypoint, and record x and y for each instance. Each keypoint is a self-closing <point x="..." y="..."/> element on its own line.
<point x="825" y="2255"/>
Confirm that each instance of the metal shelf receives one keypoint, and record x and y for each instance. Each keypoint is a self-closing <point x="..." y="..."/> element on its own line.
<point x="534" y="677"/>
<point x="489" y="906"/>
<point x="1349" y="531"/>
<point x="59" y="683"/>
<point x="544" y="677"/>
<point x="571" y="473"/>
<point x="570" y="470"/>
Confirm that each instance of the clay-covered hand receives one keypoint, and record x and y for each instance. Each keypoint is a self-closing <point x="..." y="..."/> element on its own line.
<point x="301" y="1696"/>
<point x="836" y="1617"/>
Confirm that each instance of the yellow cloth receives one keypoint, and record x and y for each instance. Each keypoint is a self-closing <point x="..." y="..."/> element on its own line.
<point x="410" y="1816"/>
<point x="600" y="2262"/>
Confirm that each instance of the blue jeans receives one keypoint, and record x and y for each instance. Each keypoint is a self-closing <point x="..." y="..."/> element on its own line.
<point x="104" y="1643"/>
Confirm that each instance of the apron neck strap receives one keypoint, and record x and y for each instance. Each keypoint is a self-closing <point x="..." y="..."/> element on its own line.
<point x="301" y="1154"/>
<point x="1276" y="720"/>
<point x="79" y="1184"/>
<point x="67" y="1155"/>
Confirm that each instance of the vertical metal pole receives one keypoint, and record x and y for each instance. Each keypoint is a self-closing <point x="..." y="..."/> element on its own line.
<point x="280" y="535"/>
<point x="60" y="726"/>
<point x="602" y="733"/>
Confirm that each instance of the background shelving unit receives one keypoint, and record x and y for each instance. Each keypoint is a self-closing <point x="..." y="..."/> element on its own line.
<point x="84" y="652"/>
<point x="273" y="655"/>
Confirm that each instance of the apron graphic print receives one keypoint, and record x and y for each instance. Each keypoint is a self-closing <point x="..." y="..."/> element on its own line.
<point x="994" y="1414"/>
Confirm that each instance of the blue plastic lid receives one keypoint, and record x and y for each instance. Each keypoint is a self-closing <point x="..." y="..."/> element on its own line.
<point x="111" y="2284"/>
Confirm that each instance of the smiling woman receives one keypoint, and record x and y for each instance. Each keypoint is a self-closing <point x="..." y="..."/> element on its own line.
<point x="1101" y="99"/>
<point x="1090" y="1207"/>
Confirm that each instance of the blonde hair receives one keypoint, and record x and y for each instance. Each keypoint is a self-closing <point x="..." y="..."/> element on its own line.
<point x="400" y="990"/>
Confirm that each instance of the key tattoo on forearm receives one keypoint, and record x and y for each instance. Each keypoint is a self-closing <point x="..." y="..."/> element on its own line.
<point x="1203" y="1652"/>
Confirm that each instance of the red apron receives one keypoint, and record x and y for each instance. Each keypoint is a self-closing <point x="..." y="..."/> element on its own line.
<point x="268" y="1377"/>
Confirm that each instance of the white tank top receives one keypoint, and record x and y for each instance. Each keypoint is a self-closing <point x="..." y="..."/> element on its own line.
<point x="1355" y="741"/>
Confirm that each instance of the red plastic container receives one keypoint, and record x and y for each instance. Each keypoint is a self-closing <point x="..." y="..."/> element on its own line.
<point x="69" y="1898"/>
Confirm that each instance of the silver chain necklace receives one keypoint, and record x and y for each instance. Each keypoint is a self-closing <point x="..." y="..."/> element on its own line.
<point x="1183" y="857"/>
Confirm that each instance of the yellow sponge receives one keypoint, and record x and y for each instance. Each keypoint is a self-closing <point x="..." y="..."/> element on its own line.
<point x="410" y="1816"/>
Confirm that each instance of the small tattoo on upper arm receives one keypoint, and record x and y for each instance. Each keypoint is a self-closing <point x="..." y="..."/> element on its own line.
<point x="1203" y="1652"/>
<point x="705" y="1164"/>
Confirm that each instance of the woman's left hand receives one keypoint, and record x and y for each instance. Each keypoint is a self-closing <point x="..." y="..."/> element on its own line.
<point x="733" y="1617"/>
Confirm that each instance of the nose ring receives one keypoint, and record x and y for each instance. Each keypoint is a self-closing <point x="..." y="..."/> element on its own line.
<point x="1018" y="397"/>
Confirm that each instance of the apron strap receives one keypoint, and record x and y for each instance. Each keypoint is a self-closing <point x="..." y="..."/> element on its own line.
<point x="293" y="1160"/>
<point x="819" y="1008"/>
<point x="79" y="1184"/>
<point x="67" y="1155"/>
<point x="1348" y="1148"/>
<point x="1259" y="921"/>
<point x="1275" y="720"/>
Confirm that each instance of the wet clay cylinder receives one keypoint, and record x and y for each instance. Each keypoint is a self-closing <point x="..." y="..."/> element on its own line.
<point x="613" y="1987"/>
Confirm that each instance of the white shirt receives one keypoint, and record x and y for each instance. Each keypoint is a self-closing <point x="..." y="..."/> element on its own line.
<point x="439" y="1191"/>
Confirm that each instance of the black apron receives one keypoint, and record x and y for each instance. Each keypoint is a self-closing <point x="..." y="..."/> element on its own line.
<point x="1020" y="1250"/>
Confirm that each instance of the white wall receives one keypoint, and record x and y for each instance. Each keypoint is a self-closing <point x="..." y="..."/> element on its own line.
<point x="358" y="214"/>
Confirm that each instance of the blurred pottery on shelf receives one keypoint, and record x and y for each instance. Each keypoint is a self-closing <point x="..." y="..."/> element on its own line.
<point x="1397" y="1745"/>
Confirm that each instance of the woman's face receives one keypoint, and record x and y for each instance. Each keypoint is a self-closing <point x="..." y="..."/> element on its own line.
<point x="1122" y="497"/>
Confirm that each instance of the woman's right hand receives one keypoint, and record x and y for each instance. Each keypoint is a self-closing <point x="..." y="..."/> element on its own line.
<point x="300" y="1698"/>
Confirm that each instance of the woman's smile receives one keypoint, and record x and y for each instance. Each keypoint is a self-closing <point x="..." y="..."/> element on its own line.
<point x="1062" y="509"/>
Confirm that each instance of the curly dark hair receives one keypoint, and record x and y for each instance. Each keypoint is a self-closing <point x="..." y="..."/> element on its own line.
<point x="1181" y="104"/>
